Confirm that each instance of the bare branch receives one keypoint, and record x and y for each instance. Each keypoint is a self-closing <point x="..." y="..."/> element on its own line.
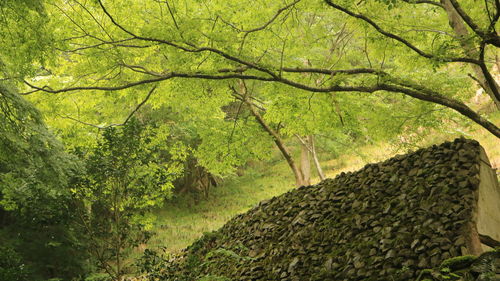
<point x="172" y="15"/>
<point x="230" y="139"/>
<point x="477" y="81"/>
<point x="497" y="14"/>
<point x="433" y="30"/>
<point x="94" y="18"/>
<point x="81" y="122"/>
<point x="141" y="69"/>
<point x="266" y="24"/>
<point x="487" y="75"/>
<point x="114" y="43"/>
<point x="113" y="20"/>
<point x="304" y="143"/>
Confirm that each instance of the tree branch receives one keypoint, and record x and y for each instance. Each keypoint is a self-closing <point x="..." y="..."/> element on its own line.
<point x="490" y="37"/>
<point x="140" y="69"/>
<point x="139" y="105"/>
<point x="423" y="2"/>
<point x="430" y="96"/>
<point x="266" y="24"/>
<point x="396" y="37"/>
<point x="332" y="72"/>
<point x="487" y="75"/>
<point x="392" y="85"/>
<point x="467" y="19"/>
<point x="131" y="114"/>
<point x="82" y="122"/>
<point x="146" y="81"/>
<point x="262" y="27"/>
<point x="488" y="241"/>
<point x="114" y="43"/>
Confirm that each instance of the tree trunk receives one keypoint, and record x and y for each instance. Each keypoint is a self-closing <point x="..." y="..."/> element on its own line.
<point x="490" y="86"/>
<point x="242" y="94"/>
<point x="305" y="163"/>
<point x="309" y="144"/>
<point x="315" y="157"/>
<point x="497" y="62"/>
<point x="299" y="178"/>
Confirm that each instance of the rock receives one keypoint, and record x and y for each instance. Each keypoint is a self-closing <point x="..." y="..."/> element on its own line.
<point x="293" y="264"/>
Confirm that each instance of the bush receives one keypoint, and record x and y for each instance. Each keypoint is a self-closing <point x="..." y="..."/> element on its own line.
<point x="12" y="267"/>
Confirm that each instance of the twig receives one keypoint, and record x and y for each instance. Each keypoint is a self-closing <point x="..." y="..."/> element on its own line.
<point x="131" y="114"/>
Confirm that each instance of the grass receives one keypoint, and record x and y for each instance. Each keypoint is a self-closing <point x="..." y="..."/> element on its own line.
<point x="186" y="218"/>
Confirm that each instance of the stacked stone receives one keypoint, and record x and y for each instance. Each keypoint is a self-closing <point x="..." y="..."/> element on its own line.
<point x="387" y="221"/>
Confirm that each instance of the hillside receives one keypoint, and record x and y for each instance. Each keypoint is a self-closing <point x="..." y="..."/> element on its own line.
<point x="185" y="218"/>
<point x="391" y="219"/>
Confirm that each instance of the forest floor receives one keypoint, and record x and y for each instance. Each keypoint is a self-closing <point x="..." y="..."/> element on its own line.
<point x="185" y="218"/>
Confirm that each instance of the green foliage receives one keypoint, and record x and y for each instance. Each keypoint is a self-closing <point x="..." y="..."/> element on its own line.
<point x="35" y="205"/>
<point x="34" y="169"/>
<point x="135" y="164"/>
<point x="11" y="266"/>
<point x="27" y="43"/>
<point x="225" y="139"/>
<point x="128" y="173"/>
<point x="214" y="278"/>
<point x="197" y="123"/>
<point x="465" y="268"/>
<point x="458" y="262"/>
<point x="98" y="277"/>
<point x="152" y="263"/>
<point x="222" y="136"/>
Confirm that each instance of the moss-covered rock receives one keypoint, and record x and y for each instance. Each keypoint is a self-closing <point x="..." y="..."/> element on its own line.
<point x="486" y="267"/>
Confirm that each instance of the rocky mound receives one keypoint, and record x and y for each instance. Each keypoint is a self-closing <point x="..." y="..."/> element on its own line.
<point x="387" y="221"/>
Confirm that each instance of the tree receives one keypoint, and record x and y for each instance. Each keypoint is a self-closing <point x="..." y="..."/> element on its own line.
<point x="36" y="210"/>
<point x="11" y="266"/>
<point x="472" y="49"/>
<point x="283" y="116"/>
<point x="222" y="48"/>
<point x="128" y="173"/>
<point x="37" y="237"/>
<point x="27" y="42"/>
<point x="301" y="172"/>
<point x="263" y="54"/>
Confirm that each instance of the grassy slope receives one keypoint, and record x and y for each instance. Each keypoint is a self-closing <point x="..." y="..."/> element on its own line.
<point x="183" y="220"/>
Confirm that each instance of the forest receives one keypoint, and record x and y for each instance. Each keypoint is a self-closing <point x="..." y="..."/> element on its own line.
<point x="129" y="128"/>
